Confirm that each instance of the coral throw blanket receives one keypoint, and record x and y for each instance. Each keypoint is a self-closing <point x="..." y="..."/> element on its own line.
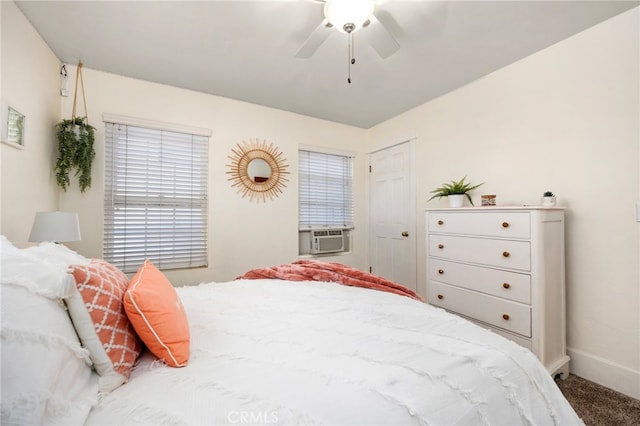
<point x="313" y="270"/>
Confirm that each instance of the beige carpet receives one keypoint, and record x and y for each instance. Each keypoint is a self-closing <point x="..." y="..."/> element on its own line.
<point x="597" y="405"/>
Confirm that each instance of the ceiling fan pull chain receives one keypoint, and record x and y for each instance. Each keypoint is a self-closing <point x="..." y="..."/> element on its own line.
<point x="353" y="49"/>
<point x="352" y="60"/>
<point x="349" y="60"/>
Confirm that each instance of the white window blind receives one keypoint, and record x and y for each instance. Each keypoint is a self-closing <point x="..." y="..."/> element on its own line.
<point x="155" y="197"/>
<point x="326" y="190"/>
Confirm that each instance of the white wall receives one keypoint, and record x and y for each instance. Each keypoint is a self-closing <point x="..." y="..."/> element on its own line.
<point x="567" y="120"/>
<point x="30" y="83"/>
<point x="242" y="234"/>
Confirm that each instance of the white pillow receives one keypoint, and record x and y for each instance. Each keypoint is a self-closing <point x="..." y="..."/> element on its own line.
<point x="20" y="267"/>
<point x="46" y="374"/>
<point x="57" y="255"/>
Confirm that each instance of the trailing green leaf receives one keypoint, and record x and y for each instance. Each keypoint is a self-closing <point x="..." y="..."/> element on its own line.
<point x="455" y="187"/>
<point x="75" y="151"/>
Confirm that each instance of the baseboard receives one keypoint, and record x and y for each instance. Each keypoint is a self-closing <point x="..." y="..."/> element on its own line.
<point x="605" y="373"/>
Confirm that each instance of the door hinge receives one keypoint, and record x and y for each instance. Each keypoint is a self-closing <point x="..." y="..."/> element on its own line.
<point x="370" y="269"/>
<point x="369" y="168"/>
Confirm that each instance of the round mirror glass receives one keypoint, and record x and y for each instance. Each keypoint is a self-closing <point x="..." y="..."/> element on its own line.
<point x="259" y="170"/>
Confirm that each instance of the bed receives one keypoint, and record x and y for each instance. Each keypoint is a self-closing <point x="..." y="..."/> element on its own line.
<point x="266" y="351"/>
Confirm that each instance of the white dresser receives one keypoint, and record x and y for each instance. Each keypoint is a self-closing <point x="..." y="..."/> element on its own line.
<point x="503" y="268"/>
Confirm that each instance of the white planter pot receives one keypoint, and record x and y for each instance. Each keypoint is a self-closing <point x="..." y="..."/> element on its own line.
<point x="548" y="201"/>
<point x="456" y="200"/>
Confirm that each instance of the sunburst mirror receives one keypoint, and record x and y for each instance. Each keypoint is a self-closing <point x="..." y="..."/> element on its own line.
<point x="258" y="170"/>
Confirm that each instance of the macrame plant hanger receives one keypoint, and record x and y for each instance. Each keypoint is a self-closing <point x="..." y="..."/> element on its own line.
<point x="75" y="142"/>
<point x="75" y="96"/>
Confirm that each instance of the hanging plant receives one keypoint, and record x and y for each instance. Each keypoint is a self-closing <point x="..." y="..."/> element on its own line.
<point x="75" y="150"/>
<point x="75" y="145"/>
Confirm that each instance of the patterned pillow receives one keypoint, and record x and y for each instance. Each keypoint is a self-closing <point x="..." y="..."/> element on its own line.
<point x="98" y="316"/>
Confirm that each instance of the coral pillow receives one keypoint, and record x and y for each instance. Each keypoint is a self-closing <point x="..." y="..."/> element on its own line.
<point x="157" y="314"/>
<point x="98" y="316"/>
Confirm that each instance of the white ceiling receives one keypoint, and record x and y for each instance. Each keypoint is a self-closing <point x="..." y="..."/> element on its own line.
<point x="246" y="50"/>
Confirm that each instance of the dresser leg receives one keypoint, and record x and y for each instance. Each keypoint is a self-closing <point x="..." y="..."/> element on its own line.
<point x="563" y="371"/>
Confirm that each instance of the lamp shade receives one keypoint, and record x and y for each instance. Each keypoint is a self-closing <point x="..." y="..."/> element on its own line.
<point x="58" y="227"/>
<point x="341" y="12"/>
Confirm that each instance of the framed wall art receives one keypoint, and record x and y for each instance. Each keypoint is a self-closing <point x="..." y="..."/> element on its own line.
<point x="12" y="130"/>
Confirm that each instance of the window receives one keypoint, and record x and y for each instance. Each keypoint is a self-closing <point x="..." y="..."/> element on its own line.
<point x="326" y="195"/>
<point x="325" y="199"/>
<point x="155" y="196"/>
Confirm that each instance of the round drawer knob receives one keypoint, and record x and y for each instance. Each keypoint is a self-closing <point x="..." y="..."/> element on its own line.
<point x="505" y="317"/>
<point x="440" y="222"/>
<point x="440" y="246"/>
<point x="506" y="254"/>
<point x="440" y="296"/>
<point x="440" y="271"/>
<point x="506" y="285"/>
<point x="505" y="224"/>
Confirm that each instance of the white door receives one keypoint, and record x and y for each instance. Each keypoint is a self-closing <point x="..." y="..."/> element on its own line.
<point x="392" y="236"/>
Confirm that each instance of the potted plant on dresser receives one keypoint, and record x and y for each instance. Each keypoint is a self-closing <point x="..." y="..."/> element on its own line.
<point x="548" y="199"/>
<point x="455" y="191"/>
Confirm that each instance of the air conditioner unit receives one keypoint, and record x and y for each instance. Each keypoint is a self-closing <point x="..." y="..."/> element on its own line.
<point x="327" y="241"/>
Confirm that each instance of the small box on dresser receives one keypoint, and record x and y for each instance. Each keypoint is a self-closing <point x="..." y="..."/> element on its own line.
<point x="503" y="268"/>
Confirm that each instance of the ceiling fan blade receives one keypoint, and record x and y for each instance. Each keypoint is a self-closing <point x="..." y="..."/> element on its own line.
<point x="317" y="37"/>
<point x="380" y="39"/>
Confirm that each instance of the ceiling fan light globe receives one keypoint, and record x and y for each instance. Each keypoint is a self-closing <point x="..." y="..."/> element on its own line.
<point x="342" y="12"/>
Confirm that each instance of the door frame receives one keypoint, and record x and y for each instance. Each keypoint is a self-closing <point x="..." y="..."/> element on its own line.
<point x="412" y="214"/>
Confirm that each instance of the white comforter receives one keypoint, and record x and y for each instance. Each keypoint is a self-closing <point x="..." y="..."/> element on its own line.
<point x="282" y="353"/>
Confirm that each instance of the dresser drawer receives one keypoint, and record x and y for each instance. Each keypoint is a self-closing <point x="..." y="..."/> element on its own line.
<point x="492" y="224"/>
<point x="524" y="342"/>
<point x="499" y="253"/>
<point x="505" y="314"/>
<point x="505" y="284"/>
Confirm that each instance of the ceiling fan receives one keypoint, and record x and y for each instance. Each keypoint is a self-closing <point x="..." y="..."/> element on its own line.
<point x="348" y="16"/>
